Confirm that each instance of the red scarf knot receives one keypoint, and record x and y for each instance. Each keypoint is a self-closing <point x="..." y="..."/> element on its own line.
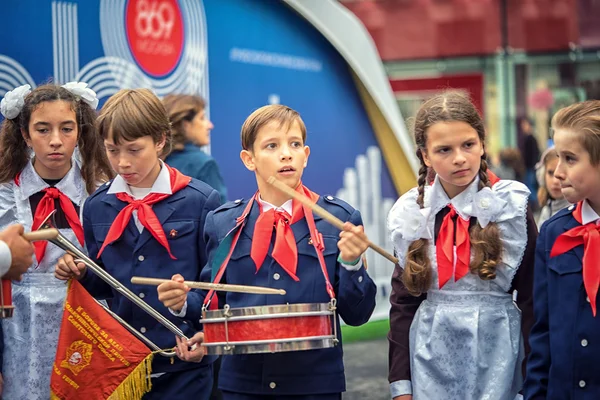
<point x="146" y="215"/>
<point x="445" y="248"/>
<point x="45" y="207"/>
<point x="587" y="235"/>
<point x="285" y="251"/>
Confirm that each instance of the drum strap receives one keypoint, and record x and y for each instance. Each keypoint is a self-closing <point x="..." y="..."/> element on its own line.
<point x="316" y="237"/>
<point x="318" y="243"/>
<point x="239" y="226"/>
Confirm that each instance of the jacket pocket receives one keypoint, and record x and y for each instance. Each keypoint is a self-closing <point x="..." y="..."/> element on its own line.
<point x="567" y="263"/>
<point x="177" y="230"/>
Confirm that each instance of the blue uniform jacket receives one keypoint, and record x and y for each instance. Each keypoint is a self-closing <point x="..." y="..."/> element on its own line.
<point x="289" y="373"/>
<point x="194" y="162"/>
<point x="182" y="216"/>
<point x="565" y="338"/>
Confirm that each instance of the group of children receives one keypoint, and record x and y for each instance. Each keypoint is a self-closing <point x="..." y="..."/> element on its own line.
<point x="477" y="304"/>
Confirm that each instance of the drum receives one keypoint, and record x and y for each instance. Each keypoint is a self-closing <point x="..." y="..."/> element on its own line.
<point x="269" y="329"/>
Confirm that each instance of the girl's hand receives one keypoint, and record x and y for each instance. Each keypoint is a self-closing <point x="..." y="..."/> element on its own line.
<point x="66" y="268"/>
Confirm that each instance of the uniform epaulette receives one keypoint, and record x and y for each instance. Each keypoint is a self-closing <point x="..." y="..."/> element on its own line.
<point x="229" y="205"/>
<point x="101" y="189"/>
<point x="565" y="212"/>
<point x="338" y="202"/>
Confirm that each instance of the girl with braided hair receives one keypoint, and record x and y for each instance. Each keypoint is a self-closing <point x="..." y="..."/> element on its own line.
<point x="465" y="243"/>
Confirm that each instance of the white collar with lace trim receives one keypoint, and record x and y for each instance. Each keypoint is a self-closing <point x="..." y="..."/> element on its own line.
<point x="71" y="185"/>
<point x="471" y="202"/>
<point x="161" y="185"/>
<point x="266" y="206"/>
<point x="588" y="214"/>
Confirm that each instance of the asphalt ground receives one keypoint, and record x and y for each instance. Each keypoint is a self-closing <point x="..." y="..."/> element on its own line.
<point x="366" y="364"/>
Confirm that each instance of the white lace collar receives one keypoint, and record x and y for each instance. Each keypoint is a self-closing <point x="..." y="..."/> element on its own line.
<point x="483" y="204"/>
<point x="72" y="185"/>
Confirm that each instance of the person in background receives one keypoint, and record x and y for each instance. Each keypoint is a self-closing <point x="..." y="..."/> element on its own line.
<point x="531" y="155"/>
<point x="549" y="194"/>
<point x="191" y="130"/>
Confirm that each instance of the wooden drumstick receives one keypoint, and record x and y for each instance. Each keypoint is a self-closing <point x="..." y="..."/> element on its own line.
<point x="42" y="234"/>
<point x="333" y="220"/>
<point x="223" y="287"/>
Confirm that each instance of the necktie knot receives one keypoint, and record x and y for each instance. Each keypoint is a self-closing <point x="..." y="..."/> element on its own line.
<point x="52" y="192"/>
<point x="137" y="203"/>
<point x="282" y="216"/>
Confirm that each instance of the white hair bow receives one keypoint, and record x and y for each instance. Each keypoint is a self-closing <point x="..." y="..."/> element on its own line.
<point x="85" y="93"/>
<point x="13" y="101"/>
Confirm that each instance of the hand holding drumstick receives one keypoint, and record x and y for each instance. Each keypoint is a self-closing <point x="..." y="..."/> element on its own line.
<point x="332" y="220"/>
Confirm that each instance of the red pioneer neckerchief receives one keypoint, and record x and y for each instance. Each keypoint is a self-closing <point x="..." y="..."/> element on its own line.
<point x="587" y="235"/>
<point x="146" y="215"/>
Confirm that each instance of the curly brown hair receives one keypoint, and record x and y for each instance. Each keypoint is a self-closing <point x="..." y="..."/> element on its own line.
<point x="485" y="242"/>
<point x="14" y="151"/>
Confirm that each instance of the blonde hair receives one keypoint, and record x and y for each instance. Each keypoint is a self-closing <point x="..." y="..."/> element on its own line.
<point x="181" y="108"/>
<point x="284" y="115"/>
<point x="485" y="242"/>
<point x="543" y="194"/>
<point x="584" y="119"/>
<point x="134" y="113"/>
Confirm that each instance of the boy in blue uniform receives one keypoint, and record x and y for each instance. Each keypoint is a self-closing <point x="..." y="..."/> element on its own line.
<point x="565" y="339"/>
<point x="148" y="221"/>
<point x="275" y="249"/>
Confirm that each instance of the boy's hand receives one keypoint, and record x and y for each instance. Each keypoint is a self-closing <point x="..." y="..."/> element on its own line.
<point x="353" y="243"/>
<point x="66" y="268"/>
<point x="173" y="294"/>
<point x="192" y="350"/>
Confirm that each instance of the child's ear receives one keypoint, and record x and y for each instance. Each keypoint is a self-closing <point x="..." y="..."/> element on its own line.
<point x="26" y="137"/>
<point x="161" y="145"/>
<point x="426" y="159"/>
<point x="306" y="154"/>
<point x="248" y="159"/>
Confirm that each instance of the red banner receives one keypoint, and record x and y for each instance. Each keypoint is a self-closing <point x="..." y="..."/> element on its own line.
<point x="97" y="358"/>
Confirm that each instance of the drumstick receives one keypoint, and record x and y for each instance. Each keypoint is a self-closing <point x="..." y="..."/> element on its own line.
<point x="223" y="287"/>
<point x="42" y="234"/>
<point x="333" y="220"/>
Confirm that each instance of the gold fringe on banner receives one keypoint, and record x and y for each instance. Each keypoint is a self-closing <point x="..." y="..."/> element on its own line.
<point x="137" y="383"/>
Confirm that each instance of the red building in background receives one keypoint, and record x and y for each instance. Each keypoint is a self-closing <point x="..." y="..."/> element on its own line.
<point x="515" y="57"/>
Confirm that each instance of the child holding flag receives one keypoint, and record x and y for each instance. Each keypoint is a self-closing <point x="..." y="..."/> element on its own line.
<point x="148" y="221"/>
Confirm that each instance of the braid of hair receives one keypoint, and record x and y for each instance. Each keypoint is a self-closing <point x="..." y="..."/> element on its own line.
<point x="417" y="274"/>
<point x="484" y="180"/>
<point x="485" y="242"/>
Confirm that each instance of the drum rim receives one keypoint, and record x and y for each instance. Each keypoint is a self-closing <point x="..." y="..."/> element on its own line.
<point x="279" y="346"/>
<point x="268" y="310"/>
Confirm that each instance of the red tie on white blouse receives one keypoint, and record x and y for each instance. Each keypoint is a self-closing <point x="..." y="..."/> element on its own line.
<point x="444" y="248"/>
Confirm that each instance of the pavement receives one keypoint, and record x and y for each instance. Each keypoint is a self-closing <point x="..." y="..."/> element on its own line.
<point x="366" y="365"/>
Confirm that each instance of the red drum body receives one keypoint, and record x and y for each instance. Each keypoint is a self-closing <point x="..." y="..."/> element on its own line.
<point x="269" y="329"/>
<point x="6" y="306"/>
